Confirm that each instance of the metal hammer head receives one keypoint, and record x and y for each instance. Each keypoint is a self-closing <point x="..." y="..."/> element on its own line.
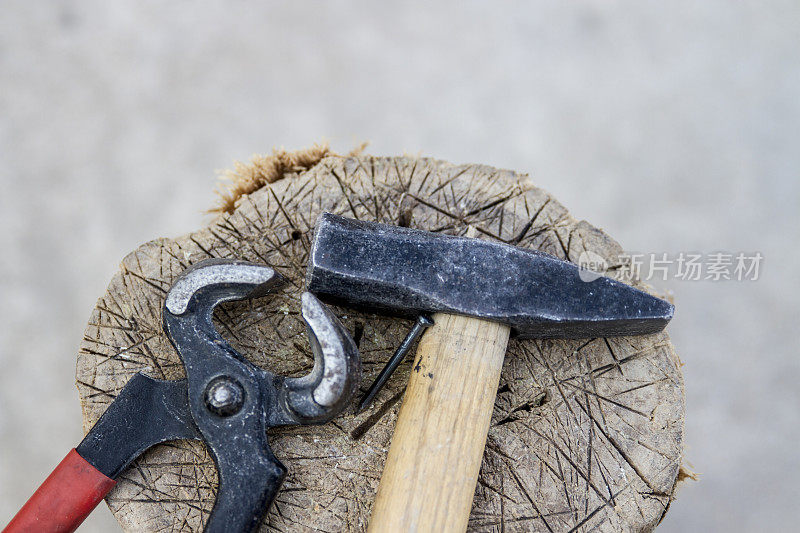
<point x="407" y="271"/>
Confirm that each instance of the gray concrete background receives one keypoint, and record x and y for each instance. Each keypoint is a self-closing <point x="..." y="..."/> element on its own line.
<point x="673" y="126"/>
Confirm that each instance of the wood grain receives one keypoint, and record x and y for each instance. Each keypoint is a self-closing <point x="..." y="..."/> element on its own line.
<point x="429" y="479"/>
<point x="585" y="434"/>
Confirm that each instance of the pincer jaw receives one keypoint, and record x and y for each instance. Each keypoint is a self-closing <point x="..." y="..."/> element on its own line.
<point x="330" y="386"/>
<point x="221" y="280"/>
<point x="315" y="398"/>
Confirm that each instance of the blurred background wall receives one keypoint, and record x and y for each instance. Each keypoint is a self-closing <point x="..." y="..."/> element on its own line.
<point x="676" y="127"/>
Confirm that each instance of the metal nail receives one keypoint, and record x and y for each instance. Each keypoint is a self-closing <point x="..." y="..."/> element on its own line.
<point x="423" y="323"/>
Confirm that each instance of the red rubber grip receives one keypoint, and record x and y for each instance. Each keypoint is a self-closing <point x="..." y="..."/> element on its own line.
<point x="65" y="498"/>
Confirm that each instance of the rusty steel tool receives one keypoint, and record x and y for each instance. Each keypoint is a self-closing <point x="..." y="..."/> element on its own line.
<point x="481" y="292"/>
<point x="225" y="401"/>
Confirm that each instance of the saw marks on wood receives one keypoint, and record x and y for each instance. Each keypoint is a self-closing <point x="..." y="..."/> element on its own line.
<point x="585" y="434"/>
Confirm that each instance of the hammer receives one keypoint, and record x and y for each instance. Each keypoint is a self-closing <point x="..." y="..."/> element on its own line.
<point x="481" y="293"/>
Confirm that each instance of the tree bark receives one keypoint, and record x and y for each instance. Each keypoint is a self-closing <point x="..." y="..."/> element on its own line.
<point x="585" y="435"/>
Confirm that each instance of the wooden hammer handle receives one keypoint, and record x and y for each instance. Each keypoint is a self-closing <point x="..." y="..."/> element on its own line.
<point x="429" y="479"/>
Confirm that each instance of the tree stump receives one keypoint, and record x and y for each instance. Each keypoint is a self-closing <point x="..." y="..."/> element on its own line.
<point x="586" y="434"/>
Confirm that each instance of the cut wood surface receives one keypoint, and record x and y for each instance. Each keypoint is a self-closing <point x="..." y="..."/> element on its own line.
<point x="585" y="434"/>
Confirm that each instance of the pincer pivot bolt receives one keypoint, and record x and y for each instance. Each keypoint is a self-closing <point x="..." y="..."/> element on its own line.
<point x="224" y="396"/>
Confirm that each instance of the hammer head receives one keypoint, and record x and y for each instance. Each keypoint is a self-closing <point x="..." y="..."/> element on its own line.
<point x="407" y="272"/>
